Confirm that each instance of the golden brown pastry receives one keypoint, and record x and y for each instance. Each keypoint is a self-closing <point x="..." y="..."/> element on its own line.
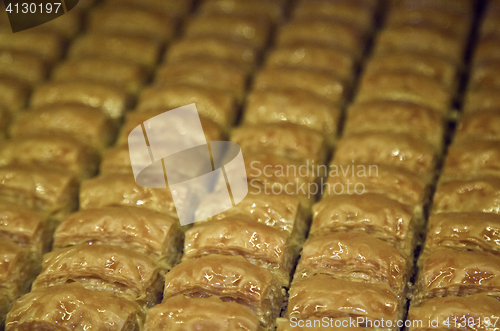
<point x="472" y="231"/>
<point x="258" y="243"/>
<point x="395" y="117"/>
<point x="485" y="75"/>
<point x="453" y="312"/>
<point x="26" y="67"/>
<point x="4" y="122"/>
<point x="376" y="214"/>
<point x="357" y="13"/>
<point x="216" y="105"/>
<point x="86" y="124"/>
<point x="432" y="66"/>
<point x="281" y="139"/>
<point x="295" y="106"/>
<point x="468" y="195"/>
<point x="116" y="160"/>
<point x="316" y="81"/>
<point x="121" y="271"/>
<point x="71" y="306"/>
<point x="144" y="231"/>
<point x="5" y="305"/>
<point x="231" y="278"/>
<point x="176" y="8"/>
<point x="271" y="10"/>
<point x="395" y="183"/>
<point x="405" y="86"/>
<point x="323" y="31"/>
<point x="179" y="313"/>
<point x="121" y="189"/>
<point x="486" y="49"/>
<point x="49" y="191"/>
<point x="420" y="38"/>
<point x="252" y="30"/>
<point x="239" y="53"/>
<point x="57" y="152"/>
<point x="136" y="49"/>
<point x="448" y="272"/>
<point x="25" y="227"/>
<point x="14" y="94"/>
<point x="481" y="100"/>
<point x="133" y="21"/>
<point x="355" y="257"/>
<point x="481" y="125"/>
<point x="205" y="72"/>
<point x="309" y="56"/>
<point x="450" y="6"/>
<point x="325" y="296"/>
<point x="128" y="75"/>
<point x="110" y="99"/>
<point x="46" y="45"/>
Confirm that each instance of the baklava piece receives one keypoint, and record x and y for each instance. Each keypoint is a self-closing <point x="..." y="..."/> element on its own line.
<point x="238" y="53"/>
<point x="56" y="152"/>
<point x="26" y="67"/>
<point x="47" y="309"/>
<point x="203" y="72"/>
<point x="375" y="214"/>
<point x="476" y="126"/>
<point x="216" y="105"/>
<point x="451" y="312"/>
<point x="395" y="117"/>
<point x="180" y="313"/>
<point x="468" y="195"/>
<point x="405" y="86"/>
<point x="133" y="21"/>
<point x="271" y="10"/>
<point x="14" y="94"/>
<point x="357" y="257"/>
<point x="215" y="275"/>
<point x="49" y="191"/>
<point x="116" y="160"/>
<point x="136" y="49"/>
<point x="295" y="106"/>
<point x="121" y="189"/>
<point x="324" y="296"/>
<point x="140" y="230"/>
<point x="449" y="272"/>
<point x="128" y="75"/>
<point x="470" y="231"/>
<point x="258" y="243"/>
<point x="45" y="45"/>
<point x="252" y="30"/>
<point x="123" y="272"/>
<point x="86" y="124"/>
<point x="281" y="139"/>
<point x="309" y="56"/>
<point x="110" y="99"/>
<point x="324" y="32"/>
<point x="316" y="81"/>
<point x="481" y="100"/>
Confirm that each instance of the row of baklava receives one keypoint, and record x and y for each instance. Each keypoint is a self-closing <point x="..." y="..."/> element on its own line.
<point x="358" y="260"/>
<point x="458" y="283"/>
<point x="56" y="144"/>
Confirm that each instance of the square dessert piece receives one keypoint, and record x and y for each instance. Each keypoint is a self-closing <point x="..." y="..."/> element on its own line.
<point x="480" y="125"/>
<point x="109" y="268"/>
<point x="317" y="81"/>
<point x="248" y="29"/>
<point x="205" y="72"/>
<point x="296" y="106"/>
<point x="215" y="275"/>
<point x="180" y="313"/>
<point x="398" y="117"/>
<point x="375" y="214"/>
<point x="141" y="230"/>
<point x="55" y="152"/>
<point x="46" y="309"/>
<point x="14" y="94"/>
<point x="47" y="46"/>
<point x="110" y="99"/>
<point x="26" y="67"/>
<point x="125" y="74"/>
<point x="85" y="124"/>
<point x="216" y="105"/>
<point x="271" y="10"/>
<point x="282" y="139"/>
<point x="52" y="192"/>
<point x="143" y="51"/>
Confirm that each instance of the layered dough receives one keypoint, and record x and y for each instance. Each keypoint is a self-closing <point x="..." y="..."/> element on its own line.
<point x="176" y="8"/>
<point x="108" y="268"/>
<point x="481" y="100"/>
<point x="140" y="230"/>
<point x="481" y="125"/>
<point x="47" y="309"/>
<point x="270" y="10"/>
<point x="26" y="67"/>
<point x="45" y="45"/>
<point x="485" y="75"/>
